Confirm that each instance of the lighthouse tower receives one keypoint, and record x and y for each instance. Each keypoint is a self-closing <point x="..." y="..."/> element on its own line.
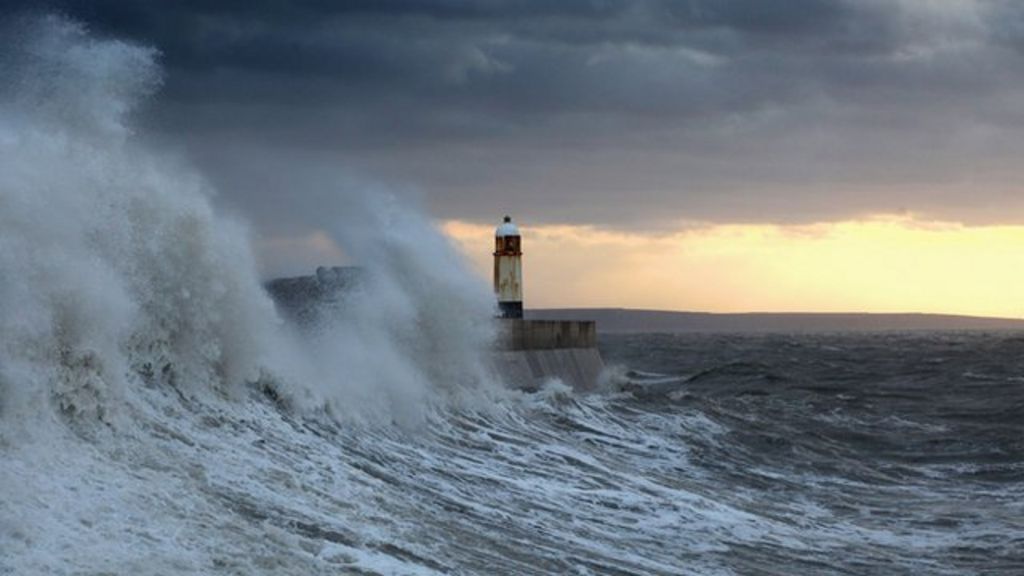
<point x="508" y="269"/>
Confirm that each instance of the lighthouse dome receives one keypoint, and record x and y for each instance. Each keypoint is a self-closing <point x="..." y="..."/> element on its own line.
<point x="507" y="228"/>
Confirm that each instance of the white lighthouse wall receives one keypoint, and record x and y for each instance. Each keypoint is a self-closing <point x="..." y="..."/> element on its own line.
<point x="509" y="278"/>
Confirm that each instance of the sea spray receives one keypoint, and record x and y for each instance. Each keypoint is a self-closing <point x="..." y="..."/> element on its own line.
<point x="114" y="264"/>
<point x="156" y="415"/>
<point x="117" y="272"/>
<point x="416" y="329"/>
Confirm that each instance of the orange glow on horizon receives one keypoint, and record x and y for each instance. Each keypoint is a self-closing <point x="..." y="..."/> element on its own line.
<point x="879" y="264"/>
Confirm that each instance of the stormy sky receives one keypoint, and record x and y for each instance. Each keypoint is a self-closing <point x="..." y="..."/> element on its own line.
<point x="630" y="115"/>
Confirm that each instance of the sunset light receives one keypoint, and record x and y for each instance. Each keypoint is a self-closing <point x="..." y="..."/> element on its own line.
<point x="879" y="264"/>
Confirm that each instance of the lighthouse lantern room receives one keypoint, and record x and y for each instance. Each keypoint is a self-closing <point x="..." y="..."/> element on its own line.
<point x="508" y="269"/>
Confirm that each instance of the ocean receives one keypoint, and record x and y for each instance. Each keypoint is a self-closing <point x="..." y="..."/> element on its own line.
<point x="887" y="453"/>
<point x="724" y="454"/>
<point x="159" y="416"/>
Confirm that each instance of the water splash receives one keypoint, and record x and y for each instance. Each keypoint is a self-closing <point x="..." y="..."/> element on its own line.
<point x="114" y="262"/>
<point x="136" y="338"/>
<point x="118" y="273"/>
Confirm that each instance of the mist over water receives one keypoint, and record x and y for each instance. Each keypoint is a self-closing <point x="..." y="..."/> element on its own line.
<point x="418" y="325"/>
<point x="115" y="266"/>
<point x="129" y="308"/>
<point x="118" y="272"/>
<point x="157" y="415"/>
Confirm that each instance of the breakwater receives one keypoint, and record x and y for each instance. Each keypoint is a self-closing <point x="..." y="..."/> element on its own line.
<point x="532" y="352"/>
<point x="527" y="354"/>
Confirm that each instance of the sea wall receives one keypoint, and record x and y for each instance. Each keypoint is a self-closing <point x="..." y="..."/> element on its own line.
<point x="532" y="352"/>
<point x="578" y="368"/>
<point x="518" y="334"/>
<point x="528" y="353"/>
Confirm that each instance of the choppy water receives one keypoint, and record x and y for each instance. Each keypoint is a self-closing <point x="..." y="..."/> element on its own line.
<point x="856" y="454"/>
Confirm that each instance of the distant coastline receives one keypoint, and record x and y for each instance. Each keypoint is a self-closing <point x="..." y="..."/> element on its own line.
<point x="625" y="320"/>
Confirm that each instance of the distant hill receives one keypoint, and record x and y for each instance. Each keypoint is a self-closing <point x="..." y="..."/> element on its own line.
<point x="621" y="320"/>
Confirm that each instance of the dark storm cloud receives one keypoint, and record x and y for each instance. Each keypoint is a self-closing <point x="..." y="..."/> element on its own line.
<point x="604" y="111"/>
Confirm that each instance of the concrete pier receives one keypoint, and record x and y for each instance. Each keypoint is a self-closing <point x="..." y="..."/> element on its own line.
<point x="532" y="352"/>
<point x="547" y="334"/>
<point x="528" y="352"/>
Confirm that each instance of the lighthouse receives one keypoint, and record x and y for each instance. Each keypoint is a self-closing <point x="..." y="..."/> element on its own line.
<point x="508" y="269"/>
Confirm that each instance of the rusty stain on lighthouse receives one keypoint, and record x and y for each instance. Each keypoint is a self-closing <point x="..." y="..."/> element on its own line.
<point x="508" y="269"/>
